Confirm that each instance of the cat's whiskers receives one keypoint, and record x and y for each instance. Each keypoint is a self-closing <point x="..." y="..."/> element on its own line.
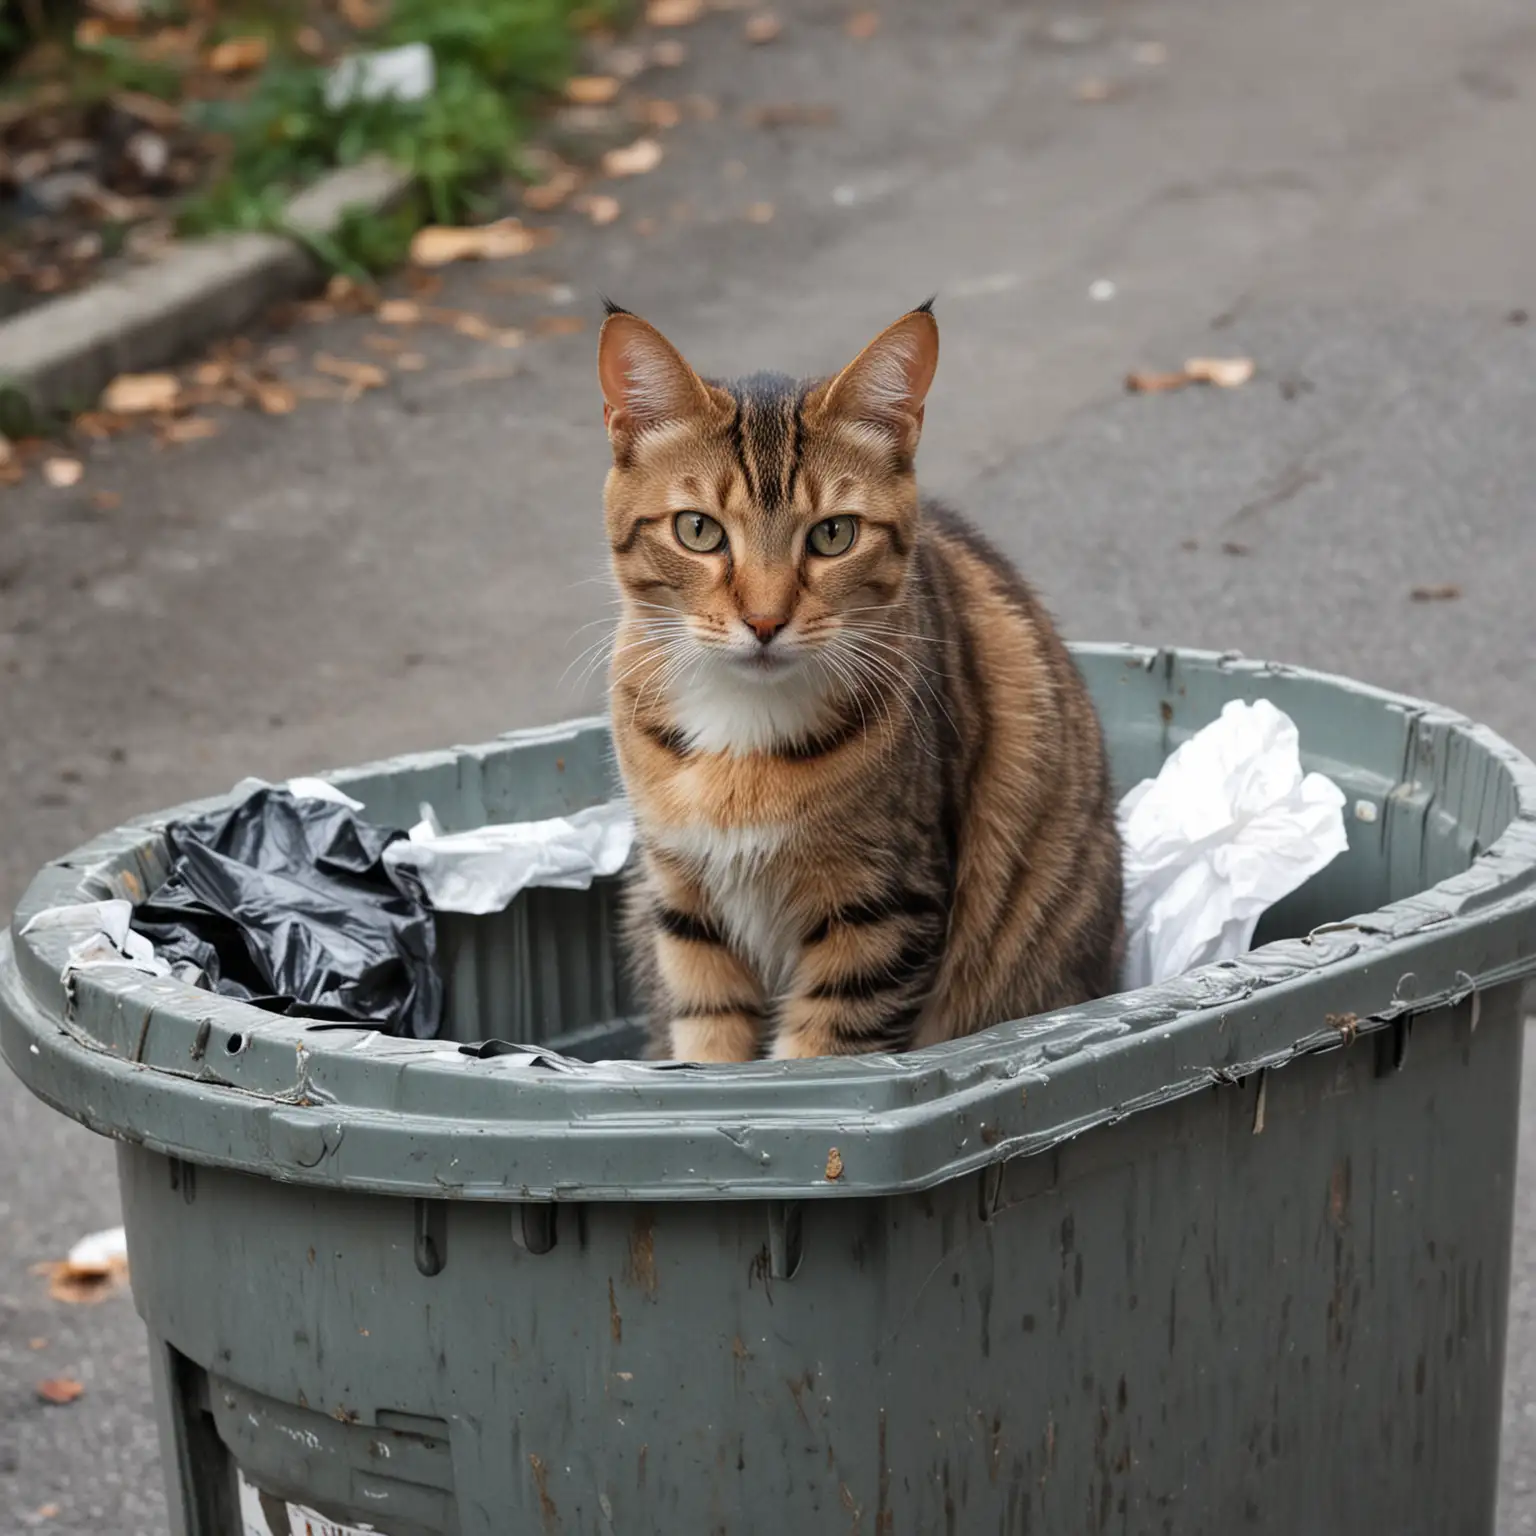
<point x="886" y="678"/>
<point x="593" y="656"/>
<point x="923" y="677"/>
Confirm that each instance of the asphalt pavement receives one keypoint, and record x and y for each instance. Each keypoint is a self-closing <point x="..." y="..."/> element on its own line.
<point x="1343" y="193"/>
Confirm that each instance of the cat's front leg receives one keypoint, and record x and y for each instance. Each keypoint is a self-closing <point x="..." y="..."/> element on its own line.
<point x="865" y="974"/>
<point x="713" y="1001"/>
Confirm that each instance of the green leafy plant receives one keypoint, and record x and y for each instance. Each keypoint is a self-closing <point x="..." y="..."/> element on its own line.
<point x="493" y="60"/>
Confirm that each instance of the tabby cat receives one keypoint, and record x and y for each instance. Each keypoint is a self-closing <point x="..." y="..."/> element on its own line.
<point x="870" y="789"/>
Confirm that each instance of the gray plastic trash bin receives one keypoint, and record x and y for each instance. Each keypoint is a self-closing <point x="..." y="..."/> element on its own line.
<point x="1230" y="1253"/>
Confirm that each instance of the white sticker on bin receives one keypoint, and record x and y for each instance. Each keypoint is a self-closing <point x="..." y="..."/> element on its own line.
<point x="259" y="1511"/>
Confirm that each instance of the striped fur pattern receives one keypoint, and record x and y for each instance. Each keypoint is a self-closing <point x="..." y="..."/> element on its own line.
<point x="870" y="788"/>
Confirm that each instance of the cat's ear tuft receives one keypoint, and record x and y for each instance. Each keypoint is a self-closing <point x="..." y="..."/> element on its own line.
<point x="888" y="382"/>
<point x="646" y="383"/>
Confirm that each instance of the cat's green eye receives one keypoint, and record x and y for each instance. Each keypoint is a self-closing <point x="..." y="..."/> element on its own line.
<point x="833" y="535"/>
<point x="699" y="532"/>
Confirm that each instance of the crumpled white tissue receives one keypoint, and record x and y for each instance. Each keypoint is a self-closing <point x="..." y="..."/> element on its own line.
<point x="1228" y="827"/>
<point x="300" y="789"/>
<point x="481" y="870"/>
<point x="112" y="943"/>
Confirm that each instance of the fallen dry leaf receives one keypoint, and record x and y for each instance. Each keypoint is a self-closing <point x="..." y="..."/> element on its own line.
<point x="1147" y="382"/>
<point x="834" y="1166"/>
<point x="559" y="325"/>
<point x="148" y="109"/>
<point x="476" y="327"/>
<point x="349" y="296"/>
<point x="669" y="53"/>
<point x="37" y="1344"/>
<point x="283" y="353"/>
<point x="439" y="244"/>
<point x="553" y="190"/>
<point x="95" y="1267"/>
<point x="399" y="312"/>
<point x="509" y="336"/>
<point x="1445" y="592"/>
<point x="362" y="14"/>
<point x="424" y="284"/>
<point x="410" y="362"/>
<point x="376" y="341"/>
<point x="791" y="114"/>
<point x="237" y="55"/>
<point x="599" y="207"/>
<point x="317" y="389"/>
<point x="62" y="473"/>
<point x="673" y="13"/>
<point x="760" y="213"/>
<point x="273" y="397"/>
<point x="173" y="44"/>
<point x="591" y="90"/>
<point x="360" y="375"/>
<point x="211" y="375"/>
<point x="60" y="1390"/>
<point x="310" y="42"/>
<point x="1095" y="89"/>
<point x="187" y="429"/>
<point x="46" y="1512"/>
<point x="705" y="108"/>
<point x="862" y="25"/>
<point x="1233" y="547"/>
<point x="646" y="227"/>
<point x="132" y="394"/>
<point x="660" y="113"/>
<point x="100" y="425"/>
<point x="106" y="501"/>
<point x="1224" y="372"/>
<point x="1150" y="53"/>
<point x="764" y="27"/>
<point x="633" y="160"/>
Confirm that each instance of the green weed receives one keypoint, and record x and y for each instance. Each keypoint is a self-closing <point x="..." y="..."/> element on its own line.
<point x="494" y="60"/>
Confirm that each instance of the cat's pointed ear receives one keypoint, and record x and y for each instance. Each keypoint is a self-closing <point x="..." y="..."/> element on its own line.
<point x="888" y="382"/>
<point x="646" y="382"/>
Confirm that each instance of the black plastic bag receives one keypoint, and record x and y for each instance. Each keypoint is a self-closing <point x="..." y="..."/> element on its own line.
<point x="285" y="902"/>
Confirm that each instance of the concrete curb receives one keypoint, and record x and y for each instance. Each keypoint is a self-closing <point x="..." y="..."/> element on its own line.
<point x="62" y="354"/>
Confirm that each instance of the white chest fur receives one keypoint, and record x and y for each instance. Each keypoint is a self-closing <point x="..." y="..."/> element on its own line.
<point x="747" y="893"/>
<point x="720" y="710"/>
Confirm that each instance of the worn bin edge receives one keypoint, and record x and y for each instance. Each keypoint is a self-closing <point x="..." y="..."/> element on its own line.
<point x="1017" y="1089"/>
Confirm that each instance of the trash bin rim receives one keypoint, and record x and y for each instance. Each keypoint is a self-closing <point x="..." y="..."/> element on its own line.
<point x="543" y="1127"/>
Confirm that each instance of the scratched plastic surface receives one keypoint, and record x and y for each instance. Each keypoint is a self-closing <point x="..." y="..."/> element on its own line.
<point x="1228" y="1254"/>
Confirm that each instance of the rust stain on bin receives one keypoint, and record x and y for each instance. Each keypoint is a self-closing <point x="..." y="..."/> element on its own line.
<point x="1338" y="1195"/>
<point x="641" y="1269"/>
<point x="615" y="1320"/>
<point x="547" y="1509"/>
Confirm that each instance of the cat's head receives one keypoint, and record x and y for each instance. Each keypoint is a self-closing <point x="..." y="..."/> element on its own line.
<point x="763" y="523"/>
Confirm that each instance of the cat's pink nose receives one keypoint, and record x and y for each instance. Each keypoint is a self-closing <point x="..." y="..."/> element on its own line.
<point x="764" y="628"/>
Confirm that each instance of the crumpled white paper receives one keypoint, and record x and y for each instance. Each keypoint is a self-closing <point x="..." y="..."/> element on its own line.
<point x="481" y="870"/>
<point x="1228" y="827"/>
<point x="97" y="1253"/>
<point x="300" y="789"/>
<point x="113" y="942"/>
<point x="406" y="73"/>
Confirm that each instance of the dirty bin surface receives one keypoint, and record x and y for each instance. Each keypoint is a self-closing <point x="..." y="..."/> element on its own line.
<point x="1229" y="1253"/>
